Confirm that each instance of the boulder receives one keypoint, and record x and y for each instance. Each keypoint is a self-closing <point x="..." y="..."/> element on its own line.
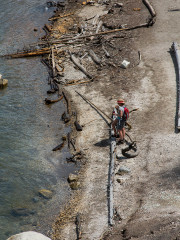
<point x="3" y="83"/>
<point x="47" y="194"/>
<point x="30" y="235"/>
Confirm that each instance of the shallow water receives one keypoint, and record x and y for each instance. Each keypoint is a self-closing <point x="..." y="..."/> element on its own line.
<point x="29" y="129"/>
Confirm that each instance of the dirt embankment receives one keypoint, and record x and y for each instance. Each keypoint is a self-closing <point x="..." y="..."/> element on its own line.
<point x="146" y="199"/>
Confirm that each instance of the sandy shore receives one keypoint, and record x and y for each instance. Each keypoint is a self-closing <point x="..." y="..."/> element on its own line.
<point x="146" y="199"/>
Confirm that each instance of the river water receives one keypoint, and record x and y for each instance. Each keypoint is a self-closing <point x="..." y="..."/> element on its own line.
<point x="29" y="129"/>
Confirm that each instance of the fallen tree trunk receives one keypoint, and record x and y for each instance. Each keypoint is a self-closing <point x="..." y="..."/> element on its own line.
<point x="111" y="180"/>
<point x="174" y="47"/>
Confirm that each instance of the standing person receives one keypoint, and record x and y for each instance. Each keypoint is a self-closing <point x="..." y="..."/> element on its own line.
<point x="119" y="123"/>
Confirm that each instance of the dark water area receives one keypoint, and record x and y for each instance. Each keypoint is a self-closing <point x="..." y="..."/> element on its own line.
<point x="29" y="129"/>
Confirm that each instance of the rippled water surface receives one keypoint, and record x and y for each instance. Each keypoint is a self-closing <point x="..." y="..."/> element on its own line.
<point x="29" y="129"/>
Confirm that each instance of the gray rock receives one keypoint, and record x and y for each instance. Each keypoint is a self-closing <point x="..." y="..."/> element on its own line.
<point x="29" y="236"/>
<point x="123" y="170"/>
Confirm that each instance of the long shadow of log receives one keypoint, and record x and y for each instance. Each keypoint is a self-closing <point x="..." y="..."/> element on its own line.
<point x="94" y="107"/>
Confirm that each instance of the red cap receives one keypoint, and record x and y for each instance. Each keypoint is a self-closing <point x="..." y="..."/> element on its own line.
<point x="120" y="101"/>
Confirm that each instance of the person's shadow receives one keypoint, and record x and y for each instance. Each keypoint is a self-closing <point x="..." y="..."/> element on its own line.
<point x="103" y="143"/>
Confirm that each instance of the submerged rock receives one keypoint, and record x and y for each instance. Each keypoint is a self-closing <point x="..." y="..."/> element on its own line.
<point x="74" y="185"/>
<point x="29" y="236"/>
<point x="18" y="212"/>
<point x="3" y="83"/>
<point x="72" y="178"/>
<point x="47" y="194"/>
<point x="73" y="181"/>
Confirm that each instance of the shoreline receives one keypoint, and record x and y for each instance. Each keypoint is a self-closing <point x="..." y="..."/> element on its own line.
<point x="86" y="201"/>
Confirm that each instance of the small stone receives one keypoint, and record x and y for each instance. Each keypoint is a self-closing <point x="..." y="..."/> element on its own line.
<point x="74" y="185"/>
<point x="35" y="199"/>
<point x="35" y="29"/>
<point x="64" y="138"/>
<point x="118" y="5"/>
<point x="123" y="170"/>
<point x="47" y="194"/>
<point x="72" y="178"/>
<point x="119" y="180"/>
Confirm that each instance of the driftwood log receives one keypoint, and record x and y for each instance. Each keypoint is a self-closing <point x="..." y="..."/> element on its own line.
<point x="111" y="179"/>
<point x="49" y="101"/>
<point x="176" y="50"/>
<point x="150" y="8"/>
<point x="77" y="125"/>
<point x="29" y="54"/>
<point x="73" y="144"/>
<point x="78" y="226"/>
<point x="94" y="57"/>
<point x="67" y="102"/>
<point x="57" y="17"/>
<point x="76" y="62"/>
<point x="126" y="153"/>
<point x="65" y="117"/>
<point x="47" y="27"/>
<point x="59" y="147"/>
<point x="53" y="62"/>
